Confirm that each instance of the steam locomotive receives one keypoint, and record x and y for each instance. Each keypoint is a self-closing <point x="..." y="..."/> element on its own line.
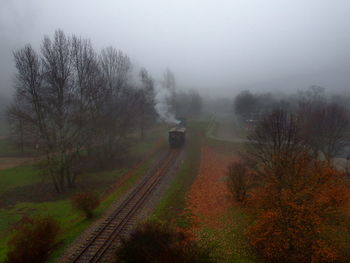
<point x="177" y="135"/>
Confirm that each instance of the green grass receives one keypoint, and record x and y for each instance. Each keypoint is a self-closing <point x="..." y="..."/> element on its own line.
<point x="227" y="147"/>
<point x="72" y="229"/>
<point x="72" y="222"/>
<point x="104" y="175"/>
<point x="143" y="145"/>
<point x="60" y="210"/>
<point x="18" y="176"/>
<point x="130" y="182"/>
<point x="173" y="201"/>
<point x="29" y="174"/>
<point x="229" y="243"/>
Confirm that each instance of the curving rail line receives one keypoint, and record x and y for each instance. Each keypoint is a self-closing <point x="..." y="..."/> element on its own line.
<point x="103" y="241"/>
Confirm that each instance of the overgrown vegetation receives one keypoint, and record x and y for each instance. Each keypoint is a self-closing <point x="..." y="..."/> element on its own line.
<point x="86" y="203"/>
<point x="71" y="221"/>
<point x="300" y="200"/>
<point x="32" y="240"/>
<point x="152" y="242"/>
<point x="303" y="210"/>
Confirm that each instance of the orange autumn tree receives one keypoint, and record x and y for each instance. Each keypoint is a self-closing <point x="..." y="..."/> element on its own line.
<point x="300" y="217"/>
<point x="300" y="200"/>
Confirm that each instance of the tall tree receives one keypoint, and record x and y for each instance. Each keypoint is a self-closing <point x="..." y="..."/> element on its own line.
<point x="117" y="113"/>
<point x="146" y="101"/>
<point x="69" y="98"/>
<point x="276" y="136"/>
<point x="300" y="200"/>
<point x="324" y="128"/>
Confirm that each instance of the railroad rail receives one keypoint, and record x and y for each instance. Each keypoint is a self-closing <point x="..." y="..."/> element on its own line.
<point x="102" y="242"/>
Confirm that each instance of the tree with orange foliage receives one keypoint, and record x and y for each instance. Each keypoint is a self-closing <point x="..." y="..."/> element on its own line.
<point x="301" y="215"/>
<point x="300" y="201"/>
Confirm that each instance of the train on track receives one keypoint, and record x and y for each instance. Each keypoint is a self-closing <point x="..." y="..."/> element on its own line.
<point x="177" y="135"/>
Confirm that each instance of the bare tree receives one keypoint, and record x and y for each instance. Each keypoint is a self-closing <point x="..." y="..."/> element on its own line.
<point x="116" y="68"/>
<point x="117" y="115"/>
<point x="146" y="101"/>
<point x="27" y="113"/>
<point x="53" y="96"/>
<point x="324" y="128"/>
<point x="276" y="140"/>
<point x="89" y="89"/>
<point x="69" y="98"/>
<point x="60" y="93"/>
<point x="238" y="180"/>
<point x="314" y="95"/>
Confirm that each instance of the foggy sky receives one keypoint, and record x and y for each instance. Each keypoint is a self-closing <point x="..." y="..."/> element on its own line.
<point x="216" y="46"/>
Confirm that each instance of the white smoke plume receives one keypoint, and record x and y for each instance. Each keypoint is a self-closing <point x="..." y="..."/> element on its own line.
<point x="162" y="106"/>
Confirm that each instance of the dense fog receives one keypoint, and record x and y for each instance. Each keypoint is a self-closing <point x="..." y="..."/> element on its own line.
<point x="175" y="131"/>
<point x="218" y="47"/>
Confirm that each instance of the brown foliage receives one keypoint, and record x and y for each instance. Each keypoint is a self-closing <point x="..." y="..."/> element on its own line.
<point x="208" y="198"/>
<point x="86" y="202"/>
<point x="153" y="242"/>
<point x="301" y="213"/>
<point x="32" y="241"/>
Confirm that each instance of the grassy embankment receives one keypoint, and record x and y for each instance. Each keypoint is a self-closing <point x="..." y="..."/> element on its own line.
<point x="72" y="223"/>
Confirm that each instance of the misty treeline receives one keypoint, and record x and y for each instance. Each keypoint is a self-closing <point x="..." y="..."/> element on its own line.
<point x="177" y="104"/>
<point x="76" y="106"/>
<point x="187" y="104"/>
<point x="322" y="122"/>
<point x="72" y="102"/>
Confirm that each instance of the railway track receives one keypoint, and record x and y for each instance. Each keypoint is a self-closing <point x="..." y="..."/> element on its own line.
<point x="102" y="243"/>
